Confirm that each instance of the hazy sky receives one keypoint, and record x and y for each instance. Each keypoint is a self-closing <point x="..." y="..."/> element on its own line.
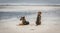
<point x="31" y="1"/>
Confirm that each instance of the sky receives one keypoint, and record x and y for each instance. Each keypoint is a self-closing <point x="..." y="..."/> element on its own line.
<point x="31" y="2"/>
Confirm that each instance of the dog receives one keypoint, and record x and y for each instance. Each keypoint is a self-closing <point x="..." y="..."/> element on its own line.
<point x="38" y="21"/>
<point x="24" y="22"/>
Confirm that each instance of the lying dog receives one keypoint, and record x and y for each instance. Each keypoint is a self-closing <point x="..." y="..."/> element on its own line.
<point x="24" y="22"/>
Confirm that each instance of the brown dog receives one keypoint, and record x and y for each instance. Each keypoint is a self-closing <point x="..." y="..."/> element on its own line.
<point x="24" y="22"/>
<point x="38" y="21"/>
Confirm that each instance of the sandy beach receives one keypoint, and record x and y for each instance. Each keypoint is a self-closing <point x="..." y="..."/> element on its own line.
<point x="50" y="23"/>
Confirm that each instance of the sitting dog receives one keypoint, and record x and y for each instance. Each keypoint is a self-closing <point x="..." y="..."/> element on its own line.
<point x="24" y="22"/>
<point x="38" y="21"/>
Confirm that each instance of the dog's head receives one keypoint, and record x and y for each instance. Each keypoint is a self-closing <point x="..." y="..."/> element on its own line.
<point x="39" y="13"/>
<point x="22" y="18"/>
